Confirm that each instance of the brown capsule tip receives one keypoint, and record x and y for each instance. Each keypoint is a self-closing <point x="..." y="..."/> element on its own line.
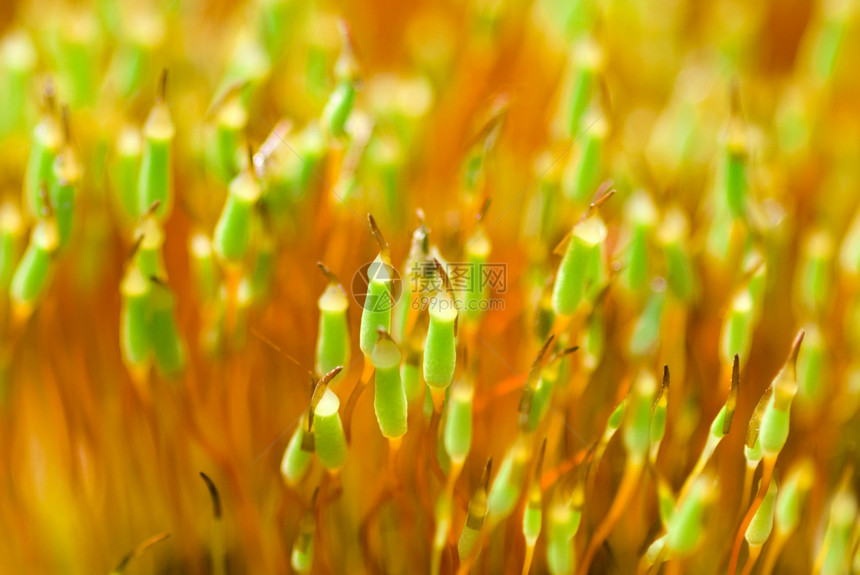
<point x="384" y="250"/>
<point x="213" y="493"/>
<point x="162" y="86"/>
<point x="795" y="347"/>
<point x="488" y="471"/>
<point x="314" y="497"/>
<point x="67" y="125"/>
<point x="136" y="246"/>
<point x="540" y="459"/>
<point x="665" y="377"/>
<point x="152" y="208"/>
<point x="482" y="212"/>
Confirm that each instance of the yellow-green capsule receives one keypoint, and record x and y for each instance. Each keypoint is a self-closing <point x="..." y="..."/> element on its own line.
<point x="333" y="343"/>
<point x="790" y="501"/>
<point x="673" y="236"/>
<point x="204" y="269"/>
<point x="477" y="287"/>
<point x="78" y="57"/>
<point x="686" y="525"/>
<point x="762" y="522"/>
<point x="440" y="347"/>
<point x="737" y="330"/>
<point x="32" y="277"/>
<point x="637" y="420"/>
<point x="167" y="346"/>
<point x="476" y="514"/>
<point x="563" y="519"/>
<point x="588" y="60"/>
<point x="150" y="239"/>
<point x="835" y="554"/>
<point x="505" y="490"/>
<point x="235" y="225"/>
<point x="586" y="168"/>
<point x="297" y="456"/>
<point x="18" y="59"/>
<point x="576" y="271"/>
<point x="45" y="145"/>
<point x="67" y="171"/>
<point x="646" y="331"/>
<point x="11" y="232"/>
<point x="125" y="171"/>
<point x="389" y="400"/>
<point x="155" y="178"/>
<point x="814" y="278"/>
<point x="458" y="425"/>
<point x="773" y="432"/>
<point x="135" y="334"/>
<point x="641" y="217"/>
<point x="329" y="438"/>
<point x="735" y="178"/>
<point x="339" y="106"/>
<point x="811" y="366"/>
<point x="302" y="556"/>
<point x="226" y="148"/>
<point x="376" y="310"/>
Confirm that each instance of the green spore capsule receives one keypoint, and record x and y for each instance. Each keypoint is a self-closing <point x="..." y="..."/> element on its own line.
<point x="574" y="273"/>
<point x="588" y="58"/>
<point x="737" y="330"/>
<point x="142" y="35"/>
<point x="235" y="225"/>
<point x="389" y="400"/>
<point x="125" y="171"/>
<point x="31" y="279"/>
<point x="297" y="456"/>
<point x="673" y="236"/>
<point x="813" y="283"/>
<point x="204" y="269"/>
<point x="333" y="343"/>
<point x="686" y="524"/>
<point x="587" y="166"/>
<point x="440" y="348"/>
<point x="154" y="181"/>
<point x="789" y="502"/>
<point x="167" y="344"/>
<point x="45" y="145"/>
<point x="762" y="522"/>
<point x="329" y="437"/>
<point x="11" y="232"/>
<point x="135" y="336"/>
<point x="458" y="426"/>
<point x="641" y="216"/>
<point x="666" y="502"/>
<point x="376" y="310"/>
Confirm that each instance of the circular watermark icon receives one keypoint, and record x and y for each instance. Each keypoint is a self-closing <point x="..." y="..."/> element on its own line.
<point x="377" y="301"/>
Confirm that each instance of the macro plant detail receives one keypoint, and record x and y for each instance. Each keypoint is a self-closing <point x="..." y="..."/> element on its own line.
<point x="448" y="288"/>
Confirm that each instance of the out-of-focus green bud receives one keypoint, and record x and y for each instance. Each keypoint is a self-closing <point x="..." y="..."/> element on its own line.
<point x="235" y="225"/>
<point x="204" y="269"/>
<point x="11" y="232"/>
<point x="791" y="497"/>
<point x="673" y="235"/>
<point x="78" y="57"/>
<point x="506" y="487"/>
<point x="637" y="424"/>
<point x="583" y="174"/>
<point x="167" y="344"/>
<point x="737" y="330"/>
<point x="458" y="426"/>
<point x="18" y="60"/>
<point x="811" y="367"/>
<point x="31" y="279"/>
<point x="125" y="172"/>
<point x="814" y="278"/>
<point x="828" y="39"/>
<point x="641" y="217"/>
<point x="836" y="546"/>
<point x="686" y="525"/>
<point x="587" y="63"/>
<point x="646" y="330"/>
<point x="155" y="179"/>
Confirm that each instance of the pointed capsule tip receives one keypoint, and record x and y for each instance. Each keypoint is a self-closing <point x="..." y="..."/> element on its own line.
<point x="795" y="347"/>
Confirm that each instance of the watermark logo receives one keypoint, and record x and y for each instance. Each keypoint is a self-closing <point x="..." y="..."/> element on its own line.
<point x="376" y="300"/>
<point x="466" y="279"/>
